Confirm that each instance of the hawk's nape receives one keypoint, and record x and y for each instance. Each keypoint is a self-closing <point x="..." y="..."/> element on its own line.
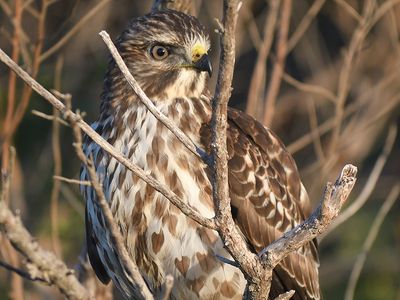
<point x="167" y="53"/>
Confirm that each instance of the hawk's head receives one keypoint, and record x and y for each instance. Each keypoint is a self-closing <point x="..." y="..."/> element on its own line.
<point x="167" y="53"/>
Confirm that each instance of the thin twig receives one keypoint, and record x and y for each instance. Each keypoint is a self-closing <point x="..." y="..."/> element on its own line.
<point x="382" y="10"/>
<point x="73" y="181"/>
<point x="256" y="89"/>
<point x="17" y="116"/>
<point x="313" y="120"/>
<point x="34" y="12"/>
<point x="350" y="10"/>
<point x="304" y="24"/>
<point x="251" y="26"/>
<point x="279" y="65"/>
<point x="74" y="30"/>
<point x="56" y="149"/>
<point x="86" y="128"/>
<point x="227" y="261"/>
<point x="373" y="233"/>
<point x="50" y="267"/>
<point x="21" y="273"/>
<point x="345" y="72"/>
<point x="12" y="81"/>
<point x="181" y="136"/>
<point x="309" y="88"/>
<point x="394" y="32"/>
<point x="327" y="125"/>
<point x="49" y="117"/>
<point x="73" y="200"/>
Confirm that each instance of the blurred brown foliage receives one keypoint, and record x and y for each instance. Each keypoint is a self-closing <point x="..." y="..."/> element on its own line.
<point x="323" y="74"/>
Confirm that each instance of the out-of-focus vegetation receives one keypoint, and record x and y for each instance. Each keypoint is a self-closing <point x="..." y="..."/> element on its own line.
<point x="334" y="103"/>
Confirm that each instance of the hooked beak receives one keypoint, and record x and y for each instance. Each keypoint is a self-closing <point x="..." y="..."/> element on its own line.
<point x="204" y="64"/>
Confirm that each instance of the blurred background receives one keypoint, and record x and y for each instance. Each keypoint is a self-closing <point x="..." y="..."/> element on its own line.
<point x="324" y="75"/>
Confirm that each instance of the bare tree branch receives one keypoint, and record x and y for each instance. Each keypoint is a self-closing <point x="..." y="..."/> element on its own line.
<point x="71" y="180"/>
<point x="82" y="22"/>
<point x="22" y="273"/>
<point x="226" y="225"/>
<point x="48" y="117"/>
<point x="304" y="24"/>
<point x="277" y="71"/>
<point x="285" y="296"/>
<point x="257" y="82"/>
<point x="309" y="88"/>
<point x="345" y="72"/>
<point x="57" y="157"/>
<point x="333" y="199"/>
<point x="50" y="268"/>
<point x="248" y="261"/>
<point x="350" y="10"/>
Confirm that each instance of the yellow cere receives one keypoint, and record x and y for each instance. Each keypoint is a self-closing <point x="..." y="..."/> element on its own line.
<point x="198" y="51"/>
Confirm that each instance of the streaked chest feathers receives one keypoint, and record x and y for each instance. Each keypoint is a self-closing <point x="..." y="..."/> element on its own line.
<point x="158" y="236"/>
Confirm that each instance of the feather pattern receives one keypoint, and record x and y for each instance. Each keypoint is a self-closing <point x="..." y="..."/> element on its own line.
<point x="265" y="189"/>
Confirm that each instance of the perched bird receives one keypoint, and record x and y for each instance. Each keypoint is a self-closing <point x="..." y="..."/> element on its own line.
<point x="167" y="53"/>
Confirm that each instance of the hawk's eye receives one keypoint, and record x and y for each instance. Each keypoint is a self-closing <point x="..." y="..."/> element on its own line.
<point x="159" y="52"/>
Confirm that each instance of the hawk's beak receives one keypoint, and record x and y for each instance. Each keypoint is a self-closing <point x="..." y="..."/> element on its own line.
<point x="204" y="64"/>
<point x="200" y="59"/>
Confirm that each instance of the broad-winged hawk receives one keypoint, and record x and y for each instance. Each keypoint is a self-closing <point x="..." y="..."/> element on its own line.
<point x="167" y="53"/>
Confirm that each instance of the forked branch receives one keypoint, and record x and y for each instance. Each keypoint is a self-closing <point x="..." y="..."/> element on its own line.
<point x="334" y="197"/>
<point x="43" y="265"/>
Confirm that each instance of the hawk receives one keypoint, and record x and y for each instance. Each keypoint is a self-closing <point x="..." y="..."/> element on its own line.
<point x="167" y="53"/>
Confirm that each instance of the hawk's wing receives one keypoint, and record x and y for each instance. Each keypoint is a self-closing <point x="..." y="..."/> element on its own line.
<point x="93" y="255"/>
<point x="268" y="199"/>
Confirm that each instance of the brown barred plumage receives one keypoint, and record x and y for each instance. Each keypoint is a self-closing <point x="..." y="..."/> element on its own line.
<point x="266" y="192"/>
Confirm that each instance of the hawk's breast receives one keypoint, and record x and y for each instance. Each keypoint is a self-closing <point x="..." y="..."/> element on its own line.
<point x="158" y="236"/>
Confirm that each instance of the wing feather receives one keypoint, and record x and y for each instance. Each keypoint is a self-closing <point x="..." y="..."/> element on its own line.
<point x="94" y="258"/>
<point x="271" y="201"/>
<point x="267" y="199"/>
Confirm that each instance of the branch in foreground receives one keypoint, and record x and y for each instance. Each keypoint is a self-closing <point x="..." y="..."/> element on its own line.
<point x="334" y="197"/>
<point x="248" y="261"/>
<point x="180" y="135"/>
<point x="158" y="186"/>
<point x="50" y="268"/>
<point x="285" y="296"/>
<point x="22" y="273"/>
<point x="71" y="180"/>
